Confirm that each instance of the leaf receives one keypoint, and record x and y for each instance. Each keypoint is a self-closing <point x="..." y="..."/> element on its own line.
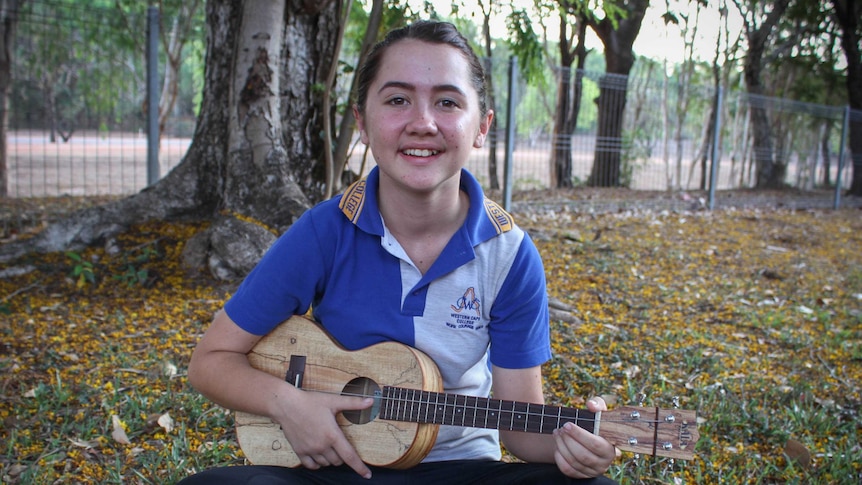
<point x="119" y="433"/>
<point x="166" y="422"/>
<point x="169" y="369"/>
<point x="797" y="452"/>
<point x="84" y="443"/>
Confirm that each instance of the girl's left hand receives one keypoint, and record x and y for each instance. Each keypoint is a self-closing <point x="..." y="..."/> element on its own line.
<point x="581" y="454"/>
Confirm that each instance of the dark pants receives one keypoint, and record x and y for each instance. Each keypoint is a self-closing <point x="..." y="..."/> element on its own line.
<point x="449" y="472"/>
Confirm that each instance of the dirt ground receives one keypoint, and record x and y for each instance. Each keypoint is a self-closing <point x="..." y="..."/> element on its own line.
<point x="22" y="216"/>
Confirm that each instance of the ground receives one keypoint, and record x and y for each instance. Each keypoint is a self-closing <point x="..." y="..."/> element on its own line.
<point x="750" y="316"/>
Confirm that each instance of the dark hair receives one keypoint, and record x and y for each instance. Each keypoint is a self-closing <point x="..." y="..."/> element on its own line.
<point x="430" y="31"/>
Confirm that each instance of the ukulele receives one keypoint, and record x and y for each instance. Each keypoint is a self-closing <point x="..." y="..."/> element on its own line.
<point x="400" y="428"/>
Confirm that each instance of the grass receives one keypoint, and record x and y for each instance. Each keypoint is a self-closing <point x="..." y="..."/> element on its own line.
<point x="753" y="318"/>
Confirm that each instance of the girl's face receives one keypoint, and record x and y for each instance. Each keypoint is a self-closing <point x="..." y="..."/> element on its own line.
<point x="422" y="117"/>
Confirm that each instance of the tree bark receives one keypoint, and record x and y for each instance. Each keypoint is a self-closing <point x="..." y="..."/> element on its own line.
<point x="569" y="93"/>
<point x="619" y="59"/>
<point x="493" y="178"/>
<point x="8" y="24"/>
<point x="347" y="126"/>
<point x="769" y="172"/>
<point x="256" y="145"/>
<point x="847" y="14"/>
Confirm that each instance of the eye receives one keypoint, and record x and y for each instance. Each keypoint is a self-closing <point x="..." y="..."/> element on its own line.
<point x="397" y="101"/>
<point x="449" y="103"/>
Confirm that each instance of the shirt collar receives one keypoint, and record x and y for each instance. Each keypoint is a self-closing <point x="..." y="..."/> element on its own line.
<point x="485" y="218"/>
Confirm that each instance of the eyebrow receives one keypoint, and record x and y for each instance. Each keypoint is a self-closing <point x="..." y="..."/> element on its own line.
<point x="411" y="87"/>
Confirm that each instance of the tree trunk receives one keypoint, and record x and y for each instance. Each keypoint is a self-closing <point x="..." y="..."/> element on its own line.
<point x="8" y="23"/>
<point x="770" y="172"/>
<point x="847" y="13"/>
<point x="493" y="178"/>
<point x="173" y="44"/>
<point x="569" y="93"/>
<point x="348" y="123"/>
<point x="619" y="59"/>
<point x="256" y="141"/>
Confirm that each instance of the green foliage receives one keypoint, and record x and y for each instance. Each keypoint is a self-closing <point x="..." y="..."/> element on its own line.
<point x="524" y="43"/>
<point x="82" y="271"/>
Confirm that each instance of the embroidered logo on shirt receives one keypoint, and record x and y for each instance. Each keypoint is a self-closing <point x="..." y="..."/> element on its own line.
<point x="353" y="200"/>
<point x="467" y="302"/>
<point x="502" y="220"/>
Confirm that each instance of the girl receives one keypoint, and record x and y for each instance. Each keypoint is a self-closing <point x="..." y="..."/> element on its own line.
<point x="416" y="254"/>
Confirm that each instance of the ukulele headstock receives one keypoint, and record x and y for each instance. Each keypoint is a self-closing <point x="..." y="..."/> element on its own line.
<point x="670" y="433"/>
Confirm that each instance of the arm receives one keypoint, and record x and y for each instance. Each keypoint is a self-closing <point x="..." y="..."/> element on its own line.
<point x="577" y="452"/>
<point x="220" y="370"/>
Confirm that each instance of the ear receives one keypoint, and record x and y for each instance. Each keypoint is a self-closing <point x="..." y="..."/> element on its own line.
<point x="484" y="127"/>
<point x="360" y="123"/>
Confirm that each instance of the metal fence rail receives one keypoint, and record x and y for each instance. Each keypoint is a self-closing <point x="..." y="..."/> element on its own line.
<point x="63" y="141"/>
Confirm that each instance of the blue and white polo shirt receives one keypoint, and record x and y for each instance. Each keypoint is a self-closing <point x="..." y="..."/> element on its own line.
<point x="483" y="298"/>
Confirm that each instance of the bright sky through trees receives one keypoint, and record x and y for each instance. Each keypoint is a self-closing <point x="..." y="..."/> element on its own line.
<point x="656" y="40"/>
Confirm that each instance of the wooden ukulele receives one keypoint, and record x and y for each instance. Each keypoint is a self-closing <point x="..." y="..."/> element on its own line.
<point x="399" y="430"/>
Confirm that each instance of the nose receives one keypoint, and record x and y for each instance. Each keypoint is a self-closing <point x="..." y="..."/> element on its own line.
<point x="422" y="121"/>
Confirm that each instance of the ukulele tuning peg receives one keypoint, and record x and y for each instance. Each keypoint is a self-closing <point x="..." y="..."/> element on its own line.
<point x="676" y="402"/>
<point x="641" y="397"/>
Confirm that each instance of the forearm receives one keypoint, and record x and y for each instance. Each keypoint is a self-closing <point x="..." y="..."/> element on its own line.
<point x="227" y="379"/>
<point x="529" y="447"/>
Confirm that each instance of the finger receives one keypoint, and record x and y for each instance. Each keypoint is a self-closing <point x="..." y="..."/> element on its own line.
<point x="596" y="404"/>
<point x="585" y="453"/>
<point x="347" y="455"/>
<point x="308" y="462"/>
<point x="353" y="403"/>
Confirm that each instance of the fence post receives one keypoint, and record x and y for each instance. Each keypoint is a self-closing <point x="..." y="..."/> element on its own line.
<point x="842" y="150"/>
<point x="153" y="174"/>
<point x="510" y="134"/>
<point x="716" y="135"/>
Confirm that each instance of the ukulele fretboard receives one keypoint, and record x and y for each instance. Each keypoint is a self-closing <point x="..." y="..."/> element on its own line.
<point x="417" y="406"/>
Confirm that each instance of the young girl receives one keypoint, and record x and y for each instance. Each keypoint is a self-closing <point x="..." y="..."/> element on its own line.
<point x="415" y="254"/>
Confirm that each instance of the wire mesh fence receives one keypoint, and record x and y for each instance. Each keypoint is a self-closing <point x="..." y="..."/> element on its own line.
<point x="77" y="123"/>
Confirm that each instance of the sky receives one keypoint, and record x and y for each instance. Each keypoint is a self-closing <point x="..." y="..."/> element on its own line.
<point x="655" y="40"/>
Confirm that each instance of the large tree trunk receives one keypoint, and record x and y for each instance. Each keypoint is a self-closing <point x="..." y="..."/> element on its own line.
<point x="256" y="145"/>
<point x="619" y="59"/>
<point x="848" y="13"/>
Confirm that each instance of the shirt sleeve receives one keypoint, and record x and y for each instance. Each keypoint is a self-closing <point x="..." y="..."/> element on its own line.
<point x="520" y="336"/>
<point x="284" y="282"/>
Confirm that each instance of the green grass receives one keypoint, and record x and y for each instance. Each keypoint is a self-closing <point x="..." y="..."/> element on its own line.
<point x="673" y="309"/>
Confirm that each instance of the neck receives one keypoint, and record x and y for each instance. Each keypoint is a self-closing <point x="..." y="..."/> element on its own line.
<point x="417" y="214"/>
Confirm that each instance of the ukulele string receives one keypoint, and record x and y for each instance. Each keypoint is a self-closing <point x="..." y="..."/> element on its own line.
<point x="529" y="414"/>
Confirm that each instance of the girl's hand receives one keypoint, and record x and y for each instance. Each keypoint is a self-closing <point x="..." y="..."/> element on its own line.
<point x="309" y="424"/>
<point x="581" y="454"/>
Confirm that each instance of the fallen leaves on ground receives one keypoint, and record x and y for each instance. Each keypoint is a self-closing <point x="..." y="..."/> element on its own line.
<point x="753" y="318"/>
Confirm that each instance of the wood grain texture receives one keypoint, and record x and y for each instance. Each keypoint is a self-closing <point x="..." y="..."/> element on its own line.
<point x="329" y="368"/>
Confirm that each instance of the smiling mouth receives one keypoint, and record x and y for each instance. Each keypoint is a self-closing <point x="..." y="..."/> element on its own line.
<point x="413" y="152"/>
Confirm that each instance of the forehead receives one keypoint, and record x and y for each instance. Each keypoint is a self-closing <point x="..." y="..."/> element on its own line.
<point x="423" y="63"/>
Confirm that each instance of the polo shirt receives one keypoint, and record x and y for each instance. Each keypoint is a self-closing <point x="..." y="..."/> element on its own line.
<point x="483" y="300"/>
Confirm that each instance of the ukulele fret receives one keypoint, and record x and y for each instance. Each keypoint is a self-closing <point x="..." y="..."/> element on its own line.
<point x="419" y="406"/>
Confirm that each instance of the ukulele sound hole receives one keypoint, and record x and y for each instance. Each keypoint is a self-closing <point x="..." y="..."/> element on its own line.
<point x="363" y="387"/>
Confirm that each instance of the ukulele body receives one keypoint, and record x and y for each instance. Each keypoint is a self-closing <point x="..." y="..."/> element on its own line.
<point x="331" y="368"/>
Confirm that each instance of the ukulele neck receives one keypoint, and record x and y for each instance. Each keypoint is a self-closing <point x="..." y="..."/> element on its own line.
<point x="417" y="406"/>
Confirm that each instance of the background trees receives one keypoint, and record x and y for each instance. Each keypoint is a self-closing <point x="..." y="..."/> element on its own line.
<point x="274" y="128"/>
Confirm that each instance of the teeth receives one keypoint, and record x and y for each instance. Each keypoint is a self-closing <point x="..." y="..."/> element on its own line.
<point x="420" y="153"/>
